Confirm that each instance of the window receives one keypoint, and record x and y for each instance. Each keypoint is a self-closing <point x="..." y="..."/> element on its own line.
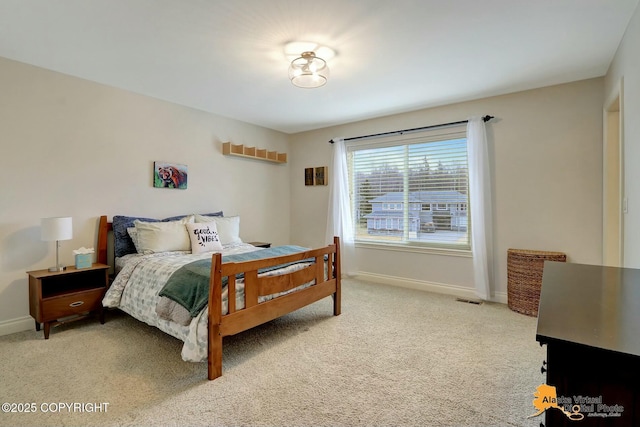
<point x="427" y="171"/>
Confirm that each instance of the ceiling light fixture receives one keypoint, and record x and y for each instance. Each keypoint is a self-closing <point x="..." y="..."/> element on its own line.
<point x="308" y="71"/>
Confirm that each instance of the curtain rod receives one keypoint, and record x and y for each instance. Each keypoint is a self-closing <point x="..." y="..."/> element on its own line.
<point x="485" y="119"/>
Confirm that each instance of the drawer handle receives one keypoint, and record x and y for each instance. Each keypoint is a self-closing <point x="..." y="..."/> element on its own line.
<point x="76" y="304"/>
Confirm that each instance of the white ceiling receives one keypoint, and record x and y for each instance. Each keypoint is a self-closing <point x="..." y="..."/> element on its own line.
<point x="226" y="56"/>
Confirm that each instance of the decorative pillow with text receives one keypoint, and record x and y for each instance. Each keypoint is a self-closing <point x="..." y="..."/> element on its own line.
<point x="228" y="227"/>
<point x="204" y="237"/>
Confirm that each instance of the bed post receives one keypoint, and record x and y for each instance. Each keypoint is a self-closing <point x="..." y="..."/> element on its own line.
<point x="338" y="273"/>
<point x="103" y="228"/>
<point x="214" y="348"/>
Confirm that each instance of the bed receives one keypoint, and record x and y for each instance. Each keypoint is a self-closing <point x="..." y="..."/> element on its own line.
<point x="266" y="283"/>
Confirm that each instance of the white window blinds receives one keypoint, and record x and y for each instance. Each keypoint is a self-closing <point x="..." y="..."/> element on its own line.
<point x="411" y="190"/>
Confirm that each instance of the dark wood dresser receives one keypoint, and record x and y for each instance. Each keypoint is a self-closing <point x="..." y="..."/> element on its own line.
<point x="589" y="319"/>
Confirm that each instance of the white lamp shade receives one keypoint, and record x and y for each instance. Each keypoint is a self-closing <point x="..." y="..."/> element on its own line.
<point x="59" y="228"/>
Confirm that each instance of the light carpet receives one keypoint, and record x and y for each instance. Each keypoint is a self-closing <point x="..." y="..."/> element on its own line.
<point x="394" y="356"/>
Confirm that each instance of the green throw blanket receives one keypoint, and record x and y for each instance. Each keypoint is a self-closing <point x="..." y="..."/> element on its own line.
<point x="189" y="285"/>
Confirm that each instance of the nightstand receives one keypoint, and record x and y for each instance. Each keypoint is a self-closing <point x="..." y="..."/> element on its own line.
<point x="55" y="297"/>
<point x="260" y="244"/>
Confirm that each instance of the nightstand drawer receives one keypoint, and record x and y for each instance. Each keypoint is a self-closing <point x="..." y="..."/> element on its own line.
<point x="67" y="305"/>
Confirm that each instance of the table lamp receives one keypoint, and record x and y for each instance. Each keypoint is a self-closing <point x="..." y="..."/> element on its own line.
<point x="56" y="229"/>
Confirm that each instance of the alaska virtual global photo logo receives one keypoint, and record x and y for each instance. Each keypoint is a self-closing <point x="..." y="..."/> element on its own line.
<point x="545" y="397"/>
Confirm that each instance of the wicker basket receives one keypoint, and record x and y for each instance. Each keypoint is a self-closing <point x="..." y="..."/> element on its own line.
<point x="524" y="278"/>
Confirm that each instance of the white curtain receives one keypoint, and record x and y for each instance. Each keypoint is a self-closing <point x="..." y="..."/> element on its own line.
<point x="480" y="209"/>
<point x="339" y="219"/>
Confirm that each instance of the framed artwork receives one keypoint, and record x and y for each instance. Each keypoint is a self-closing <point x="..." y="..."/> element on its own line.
<point x="308" y="176"/>
<point x="321" y="175"/>
<point x="169" y="175"/>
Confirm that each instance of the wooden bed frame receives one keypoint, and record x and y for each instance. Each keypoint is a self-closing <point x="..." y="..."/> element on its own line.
<point x="254" y="313"/>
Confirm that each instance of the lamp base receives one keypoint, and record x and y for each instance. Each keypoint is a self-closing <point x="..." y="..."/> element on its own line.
<point x="58" y="267"/>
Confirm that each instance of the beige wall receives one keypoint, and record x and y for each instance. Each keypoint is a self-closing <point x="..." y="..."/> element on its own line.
<point x="73" y="147"/>
<point x="69" y="147"/>
<point x="546" y="149"/>
<point x="625" y="68"/>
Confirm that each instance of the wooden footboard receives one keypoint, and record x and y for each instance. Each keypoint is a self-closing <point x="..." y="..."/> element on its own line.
<point x="325" y="273"/>
<point x="256" y="313"/>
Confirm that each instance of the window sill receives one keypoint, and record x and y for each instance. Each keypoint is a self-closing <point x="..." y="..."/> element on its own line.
<point x="465" y="253"/>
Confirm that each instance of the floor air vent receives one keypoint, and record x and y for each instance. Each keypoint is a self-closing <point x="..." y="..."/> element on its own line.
<point x="469" y="301"/>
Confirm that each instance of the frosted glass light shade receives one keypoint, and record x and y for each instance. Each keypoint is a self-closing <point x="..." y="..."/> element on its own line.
<point x="58" y="228"/>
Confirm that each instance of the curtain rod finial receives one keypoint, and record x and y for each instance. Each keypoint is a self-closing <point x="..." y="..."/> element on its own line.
<point x="487" y="118"/>
<point x="331" y="141"/>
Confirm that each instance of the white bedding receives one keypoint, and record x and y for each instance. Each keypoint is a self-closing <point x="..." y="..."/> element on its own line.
<point x="136" y="287"/>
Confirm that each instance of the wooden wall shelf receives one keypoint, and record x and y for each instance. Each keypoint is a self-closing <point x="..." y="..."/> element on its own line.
<point x="229" y="149"/>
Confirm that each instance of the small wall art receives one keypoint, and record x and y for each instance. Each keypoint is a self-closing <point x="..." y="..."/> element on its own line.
<point x="169" y="175"/>
<point x="308" y="176"/>
<point x="321" y="176"/>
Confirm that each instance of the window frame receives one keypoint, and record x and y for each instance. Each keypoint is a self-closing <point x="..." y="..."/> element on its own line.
<point x="445" y="248"/>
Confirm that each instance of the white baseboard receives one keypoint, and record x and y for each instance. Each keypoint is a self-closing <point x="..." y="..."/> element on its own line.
<point x="19" y="324"/>
<point x="500" y="297"/>
<point x="422" y="285"/>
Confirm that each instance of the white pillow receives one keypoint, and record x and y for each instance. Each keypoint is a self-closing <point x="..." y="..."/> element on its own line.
<point x="163" y="236"/>
<point x="204" y="237"/>
<point x="228" y="227"/>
